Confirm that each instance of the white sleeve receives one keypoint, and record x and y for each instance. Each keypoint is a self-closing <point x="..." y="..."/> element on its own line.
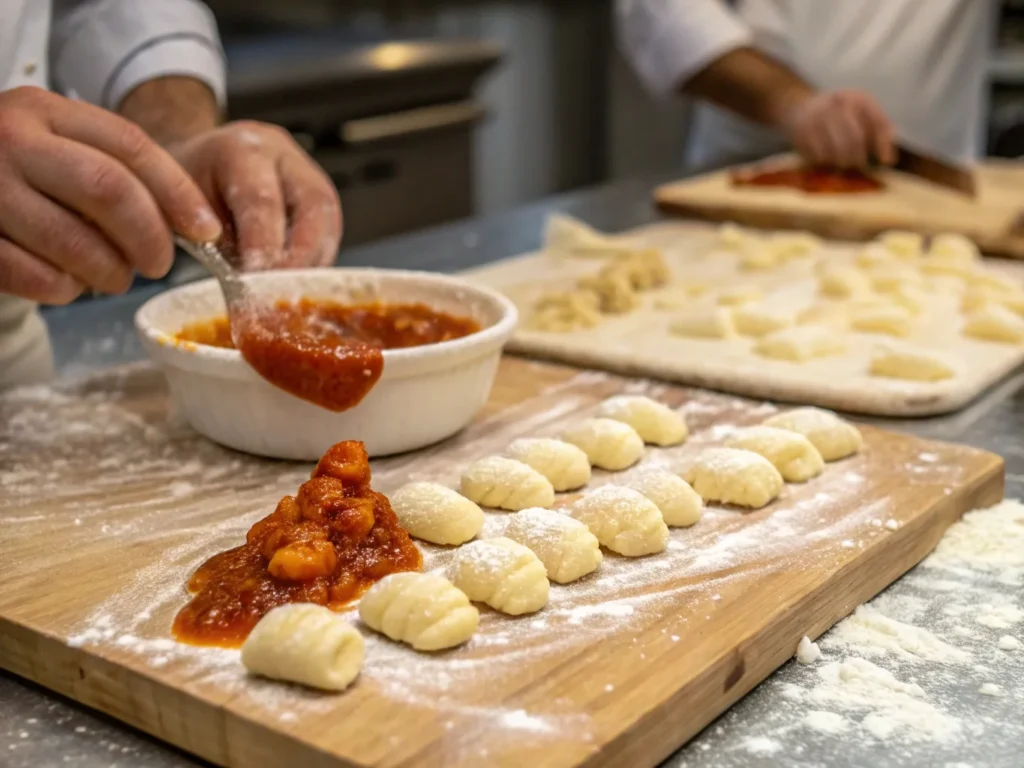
<point x="101" y="49"/>
<point x="669" y="41"/>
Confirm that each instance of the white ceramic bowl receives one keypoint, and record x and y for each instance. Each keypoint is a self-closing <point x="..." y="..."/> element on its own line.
<point x="424" y="394"/>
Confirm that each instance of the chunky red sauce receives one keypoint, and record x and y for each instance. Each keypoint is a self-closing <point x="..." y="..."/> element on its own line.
<point x="811" y="180"/>
<point x="327" y="545"/>
<point x="328" y="353"/>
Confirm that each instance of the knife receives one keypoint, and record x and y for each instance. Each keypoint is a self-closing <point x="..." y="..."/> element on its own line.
<point x="936" y="170"/>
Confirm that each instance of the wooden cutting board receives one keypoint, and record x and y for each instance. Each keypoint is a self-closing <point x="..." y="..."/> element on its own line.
<point x="109" y="503"/>
<point x="993" y="219"/>
<point x="640" y="343"/>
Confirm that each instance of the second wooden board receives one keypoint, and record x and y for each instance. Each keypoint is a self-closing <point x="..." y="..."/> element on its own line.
<point x="640" y="342"/>
<point x="110" y="503"/>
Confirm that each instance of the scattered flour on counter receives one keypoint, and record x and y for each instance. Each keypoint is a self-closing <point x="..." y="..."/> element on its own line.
<point x="990" y="538"/>
<point x="1008" y="643"/>
<point x="999" y="616"/>
<point x="875" y="634"/>
<point x="807" y="652"/>
<point x="827" y="722"/>
<point x="991" y="689"/>
<point x="762" y="746"/>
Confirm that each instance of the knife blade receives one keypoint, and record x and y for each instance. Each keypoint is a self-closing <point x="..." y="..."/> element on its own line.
<point x="936" y="170"/>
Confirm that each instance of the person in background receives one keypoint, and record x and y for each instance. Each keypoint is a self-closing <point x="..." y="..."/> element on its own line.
<point x="93" y="181"/>
<point x="838" y="81"/>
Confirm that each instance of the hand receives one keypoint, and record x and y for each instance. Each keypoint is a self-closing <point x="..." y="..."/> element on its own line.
<point x="841" y="129"/>
<point x="86" y="197"/>
<point x="281" y="206"/>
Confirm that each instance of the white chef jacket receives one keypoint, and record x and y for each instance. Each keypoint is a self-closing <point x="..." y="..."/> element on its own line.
<point x="98" y="51"/>
<point x="923" y="60"/>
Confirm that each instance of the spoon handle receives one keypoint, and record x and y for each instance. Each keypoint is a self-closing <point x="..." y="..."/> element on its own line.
<point x="210" y="256"/>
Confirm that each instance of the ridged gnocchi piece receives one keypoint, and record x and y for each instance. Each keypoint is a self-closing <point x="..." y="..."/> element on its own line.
<point x="437" y="514"/>
<point x="423" y="610"/>
<point x="565" y="465"/>
<point x="953" y="247"/>
<point x="976" y="297"/>
<point x="902" y="244"/>
<point x="840" y="282"/>
<point x="912" y="298"/>
<point x="624" y="520"/>
<point x="890" y="319"/>
<point x="733" y="237"/>
<point x="910" y="363"/>
<point x="789" y="452"/>
<point x="828" y="313"/>
<point x="793" y="245"/>
<point x="995" y="323"/>
<point x="734" y="476"/>
<point x="566" y="547"/>
<point x="800" y="344"/>
<point x="891" y="278"/>
<point x="305" y="643"/>
<point x="835" y="438"/>
<point x="501" y="573"/>
<point x="757" y="256"/>
<point x="735" y="295"/>
<point x="995" y="281"/>
<point x="873" y="255"/>
<point x="609" y="444"/>
<point x="655" y="422"/>
<point x="759" y="321"/>
<point x="680" y="505"/>
<point x="503" y="483"/>
<point x="704" y="323"/>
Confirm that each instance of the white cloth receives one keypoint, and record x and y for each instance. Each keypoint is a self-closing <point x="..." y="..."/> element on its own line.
<point x="923" y="60"/>
<point x="98" y="51"/>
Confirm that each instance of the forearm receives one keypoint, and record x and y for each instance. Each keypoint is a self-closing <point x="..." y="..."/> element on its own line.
<point x="171" y="109"/>
<point x="752" y="85"/>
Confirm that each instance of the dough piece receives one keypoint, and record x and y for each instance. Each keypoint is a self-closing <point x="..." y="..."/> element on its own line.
<point x="757" y="256"/>
<point x="843" y="282"/>
<point x="903" y="245"/>
<point x="502" y="483"/>
<point x="655" y="422"/>
<point x="800" y="344"/>
<point x="953" y="247"/>
<point x="834" y="437"/>
<point x="873" y="255"/>
<point x="828" y="313"/>
<point x="734" y="476"/>
<point x="566" y="311"/>
<point x="793" y="245"/>
<point x="739" y="294"/>
<point x="566" y="547"/>
<point x="623" y="520"/>
<point x="892" y="320"/>
<point x="995" y="323"/>
<point x="889" y="279"/>
<point x="501" y="573"/>
<point x="790" y="452"/>
<point x="759" y="321"/>
<point x="423" y="610"/>
<point x="975" y="298"/>
<point x="646" y="269"/>
<point x="564" y="464"/>
<point x="679" y="294"/>
<point x="680" y="505"/>
<point x="437" y="514"/>
<point x="995" y="281"/>
<point x="614" y="289"/>
<point x="733" y="237"/>
<point x="905" y="362"/>
<point x="305" y="643"/>
<point x="705" y="323"/>
<point x="911" y="298"/>
<point x="567" y="236"/>
<point x="609" y="444"/>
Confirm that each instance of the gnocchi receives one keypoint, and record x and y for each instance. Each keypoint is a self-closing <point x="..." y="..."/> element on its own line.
<point x="423" y="610"/>
<point x="501" y="573"/>
<point x="734" y="476"/>
<point x="705" y="323"/>
<point x="909" y="363"/>
<point x="622" y="519"/>
<point x="758" y="321"/>
<point x="789" y="452"/>
<point x="566" y="547"/>
<point x="843" y="282"/>
<point x="563" y="464"/>
<point x="609" y="444"/>
<point x="800" y="344"/>
<point x="739" y="294"/>
<point x="655" y="422"/>
<point x="680" y="505"/>
<point x="437" y="514"/>
<point x="825" y="313"/>
<point x="503" y="483"/>
<point x="305" y="643"/>
<point x="888" y="319"/>
<point x="902" y="244"/>
<point x="834" y="437"/>
<point x="995" y="323"/>
<point x="793" y="245"/>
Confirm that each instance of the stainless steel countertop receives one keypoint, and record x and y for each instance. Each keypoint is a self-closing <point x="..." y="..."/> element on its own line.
<point x="39" y="729"/>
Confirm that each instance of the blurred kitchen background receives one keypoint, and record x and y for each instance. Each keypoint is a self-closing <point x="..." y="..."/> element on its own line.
<point x="425" y="111"/>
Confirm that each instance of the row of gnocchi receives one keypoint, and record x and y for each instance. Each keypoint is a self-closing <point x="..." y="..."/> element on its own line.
<point x="310" y="644"/>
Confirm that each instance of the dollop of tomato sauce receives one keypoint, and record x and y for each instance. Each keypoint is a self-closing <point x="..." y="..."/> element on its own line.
<point x="811" y="180"/>
<point x="327" y="545"/>
<point x="328" y="353"/>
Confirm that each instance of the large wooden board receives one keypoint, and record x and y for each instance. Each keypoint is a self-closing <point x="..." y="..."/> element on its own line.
<point x="639" y="343"/>
<point x="993" y="219"/>
<point x="109" y="502"/>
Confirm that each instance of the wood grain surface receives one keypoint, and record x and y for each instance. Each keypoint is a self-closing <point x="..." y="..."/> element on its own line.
<point x="639" y="343"/>
<point x="109" y="502"/>
<point x="993" y="219"/>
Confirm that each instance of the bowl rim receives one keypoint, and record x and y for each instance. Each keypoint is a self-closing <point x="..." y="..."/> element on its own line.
<point x="498" y="331"/>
